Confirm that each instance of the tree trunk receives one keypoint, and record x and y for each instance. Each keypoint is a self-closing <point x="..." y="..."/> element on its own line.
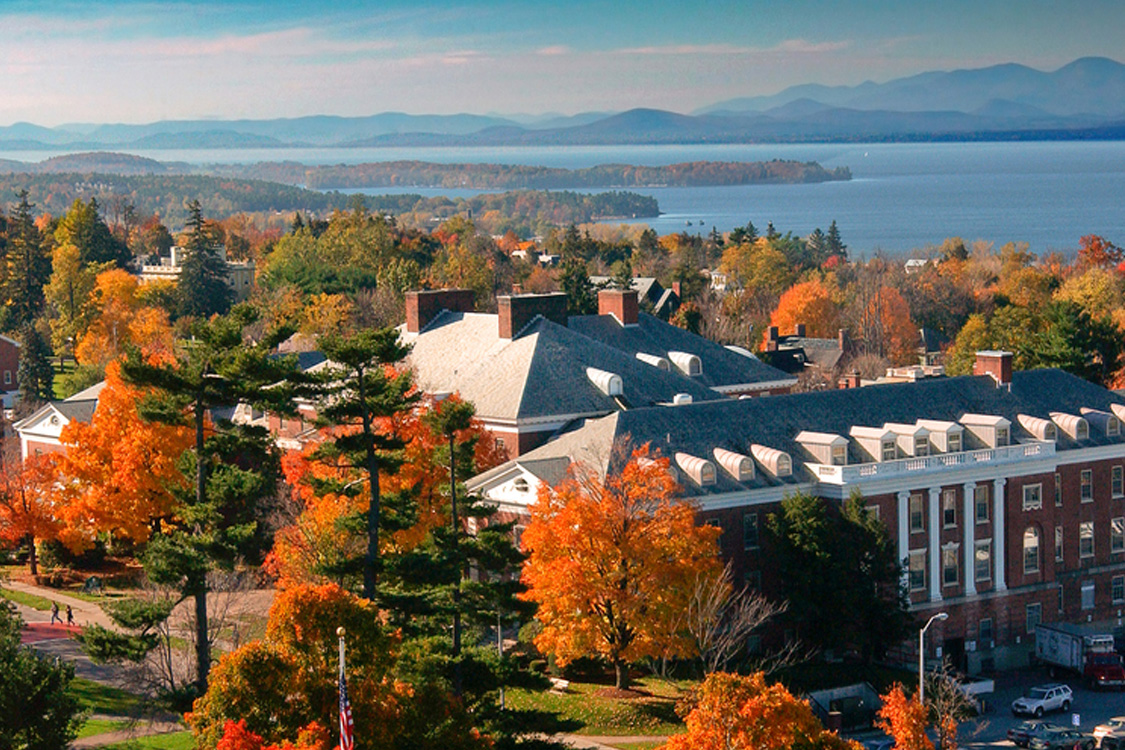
<point x="202" y="647"/>
<point x="621" y="674"/>
<point x="457" y="676"/>
<point x="32" y="556"/>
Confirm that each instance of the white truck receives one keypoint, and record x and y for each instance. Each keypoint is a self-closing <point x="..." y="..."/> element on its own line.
<point x="1088" y="653"/>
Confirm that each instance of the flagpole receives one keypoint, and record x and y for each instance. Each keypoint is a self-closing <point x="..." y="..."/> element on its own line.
<point x="340" y="632"/>
<point x="347" y="735"/>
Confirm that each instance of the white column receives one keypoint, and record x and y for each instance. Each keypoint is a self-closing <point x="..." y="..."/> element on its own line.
<point x="969" y="518"/>
<point x="904" y="529"/>
<point x="998" y="530"/>
<point x="935" y="544"/>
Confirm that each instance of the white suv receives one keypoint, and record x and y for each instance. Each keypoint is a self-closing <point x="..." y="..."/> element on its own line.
<point x="1039" y="700"/>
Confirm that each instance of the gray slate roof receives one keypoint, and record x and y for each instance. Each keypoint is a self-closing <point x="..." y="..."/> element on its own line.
<point x="721" y="366"/>
<point x="697" y="429"/>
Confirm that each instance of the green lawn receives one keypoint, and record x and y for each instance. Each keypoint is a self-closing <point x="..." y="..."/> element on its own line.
<point x="28" y="600"/>
<point x="100" y="726"/>
<point x="170" y="741"/>
<point x="636" y="745"/>
<point x="102" y="699"/>
<point x="597" y="715"/>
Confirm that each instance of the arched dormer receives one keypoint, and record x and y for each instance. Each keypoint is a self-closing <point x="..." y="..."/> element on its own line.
<point x="776" y="463"/>
<point x="699" y="470"/>
<point x="1041" y="429"/>
<point x="740" y="467"/>
<point x="686" y="363"/>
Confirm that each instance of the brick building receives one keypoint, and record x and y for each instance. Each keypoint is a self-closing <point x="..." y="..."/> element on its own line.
<point x="1005" y="493"/>
<point x="40" y="431"/>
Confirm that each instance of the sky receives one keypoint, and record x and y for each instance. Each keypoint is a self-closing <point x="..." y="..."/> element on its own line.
<point x="136" y="62"/>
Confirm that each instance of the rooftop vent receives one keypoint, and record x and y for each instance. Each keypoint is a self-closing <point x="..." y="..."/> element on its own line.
<point x="607" y="382"/>
<point x="737" y="465"/>
<point x="699" y="470"/>
<point x="659" y="363"/>
<point x="681" y="399"/>
<point x="686" y="363"/>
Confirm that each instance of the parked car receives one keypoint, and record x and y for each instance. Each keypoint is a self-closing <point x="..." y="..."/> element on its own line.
<point x="1062" y="739"/>
<point x="1021" y="734"/>
<point x="1039" y="700"/>
<point x="1115" y="727"/>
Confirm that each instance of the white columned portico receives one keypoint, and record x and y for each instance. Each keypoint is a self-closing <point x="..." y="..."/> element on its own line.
<point x="969" y="519"/>
<point x="935" y="544"/>
<point x="998" y="559"/>
<point x="904" y="532"/>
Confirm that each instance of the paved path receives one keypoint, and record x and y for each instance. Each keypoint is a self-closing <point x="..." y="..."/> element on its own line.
<point x="143" y="729"/>
<point x="85" y="613"/>
<point x="585" y="742"/>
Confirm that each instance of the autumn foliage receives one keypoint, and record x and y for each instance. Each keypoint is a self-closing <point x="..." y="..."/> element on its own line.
<point x="904" y="720"/>
<point x="612" y="562"/>
<point x="733" y="711"/>
<point x="27" y="504"/>
<point x="811" y="303"/>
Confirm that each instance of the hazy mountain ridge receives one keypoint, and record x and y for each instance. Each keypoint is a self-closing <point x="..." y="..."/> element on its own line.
<point x="1084" y="99"/>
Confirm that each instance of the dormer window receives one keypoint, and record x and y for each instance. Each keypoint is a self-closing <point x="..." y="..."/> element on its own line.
<point x="826" y="447"/>
<point x="890" y="450"/>
<point x="775" y="462"/>
<point x="1082" y="430"/>
<point x="1113" y="426"/>
<point x="839" y="455"/>
<point x="520" y="484"/>
<point x="921" y="446"/>
<point x="954" y="443"/>
<point x="1002" y="436"/>
<point x="686" y="363"/>
<point x="1076" y="428"/>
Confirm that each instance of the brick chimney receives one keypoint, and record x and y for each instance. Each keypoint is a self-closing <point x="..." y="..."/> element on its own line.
<point x="678" y="289"/>
<point x="423" y="306"/>
<point x="801" y="330"/>
<point x="996" y="364"/>
<point x="850" y="380"/>
<point x="772" y="339"/>
<point x="842" y="340"/>
<point x="516" y="311"/>
<point x="620" y="303"/>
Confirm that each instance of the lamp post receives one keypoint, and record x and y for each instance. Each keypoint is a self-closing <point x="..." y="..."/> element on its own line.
<point x="922" y="656"/>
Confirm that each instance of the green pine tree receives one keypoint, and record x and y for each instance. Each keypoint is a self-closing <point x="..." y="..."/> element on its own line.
<point x="27" y="266"/>
<point x="581" y="298"/>
<point x="202" y="287"/>
<point x="835" y="245"/>
<point x="35" y="375"/>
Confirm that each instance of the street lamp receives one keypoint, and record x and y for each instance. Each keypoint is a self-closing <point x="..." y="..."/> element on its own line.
<point x="922" y="656"/>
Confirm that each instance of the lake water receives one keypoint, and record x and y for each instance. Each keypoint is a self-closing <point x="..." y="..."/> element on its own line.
<point x="903" y="196"/>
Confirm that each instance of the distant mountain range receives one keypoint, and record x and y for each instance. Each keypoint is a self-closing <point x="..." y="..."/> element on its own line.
<point x="1082" y="100"/>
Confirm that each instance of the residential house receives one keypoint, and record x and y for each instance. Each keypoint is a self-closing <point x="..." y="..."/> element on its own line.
<point x="240" y="275"/>
<point x="40" y="431"/>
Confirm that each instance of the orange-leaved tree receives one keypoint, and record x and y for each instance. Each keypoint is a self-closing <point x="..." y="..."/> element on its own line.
<point x="734" y="712"/>
<point x="237" y="737"/>
<point x="904" y="720"/>
<point x="27" y="506"/>
<point x="121" y="319"/>
<point x="613" y="560"/>
<point x="811" y="303"/>
<point x="118" y="472"/>
<point x="277" y="688"/>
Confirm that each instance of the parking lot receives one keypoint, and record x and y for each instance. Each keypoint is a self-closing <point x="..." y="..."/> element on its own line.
<point x="1092" y="707"/>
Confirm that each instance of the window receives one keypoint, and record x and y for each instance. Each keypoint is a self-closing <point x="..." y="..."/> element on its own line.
<point x="949" y="508"/>
<point x="918" y="570"/>
<point x="1001" y="436"/>
<point x="1058" y="490"/>
<point x="953" y="442"/>
<point x="7" y="377"/>
<point x="1117" y="589"/>
<point x="982" y="561"/>
<point x="949" y="565"/>
<point x="1032" y="497"/>
<point x="1087" y="595"/>
<point x="1117" y="534"/>
<point x="1033" y="615"/>
<point x="917" y="515"/>
<point x="520" y="484"/>
<point x="921" y="446"/>
<point x="1118" y="481"/>
<point x="1087" y="485"/>
<point x="980" y="501"/>
<point x="1081" y="430"/>
<point x="890" y="450"/>
<point x="839" y="455"/>
<point x="986" y="631"/>
<point x="750" y="531"/>
<point x="1112" y="426"/>
<point x="1086" y="539"/>
<point x="873" y="512"/>
<point x="1058" y="544"/>
<point x="1031" y="550"/>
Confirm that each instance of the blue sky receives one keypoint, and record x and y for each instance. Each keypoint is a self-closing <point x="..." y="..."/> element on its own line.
<point x="145" y="61"/>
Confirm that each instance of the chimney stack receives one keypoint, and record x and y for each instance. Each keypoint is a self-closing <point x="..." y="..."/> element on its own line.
<point x="772" y="339"/>
<point x="996" y="364"/>
<point x="676" y="287"/>
<point x="516" y="311"/>
<point x="842" y="340"/>
<point x="423" y="306"/>
<point x="801" y="330"/>
<point x="620" y="303"/>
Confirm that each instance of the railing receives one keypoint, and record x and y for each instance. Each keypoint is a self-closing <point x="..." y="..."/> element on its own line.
<point x="854" y="472"/>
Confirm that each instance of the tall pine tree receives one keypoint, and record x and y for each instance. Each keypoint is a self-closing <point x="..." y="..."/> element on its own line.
<point x="35" y="375"/>
<point x="27" y="266"/>
<point x="202" y="288"/>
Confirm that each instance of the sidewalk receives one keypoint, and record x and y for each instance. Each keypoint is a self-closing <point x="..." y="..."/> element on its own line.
<point x="585" y="742"/>
<point x="85" y="613"/>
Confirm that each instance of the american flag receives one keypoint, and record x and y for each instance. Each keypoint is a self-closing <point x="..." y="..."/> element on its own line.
<point x="347" y="736"/>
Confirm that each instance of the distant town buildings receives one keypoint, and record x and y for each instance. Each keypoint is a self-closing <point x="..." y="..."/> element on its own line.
<point x="240" y="275"/>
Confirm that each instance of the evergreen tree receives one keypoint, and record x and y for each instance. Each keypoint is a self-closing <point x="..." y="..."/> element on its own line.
<point x="202" y="287"/>
<point x="817" y="247"/>
<point x="835" y="245"/>
<point x="581" y="298"/>
<point x="82" y="226"/>
<point x="235" y="467"/>
<point x="35" y="375"/>
<point x="648" y="242"/>
<point x="747" y="235"/>
<point x="27" y="267"/>
<point x="622" y="277"/>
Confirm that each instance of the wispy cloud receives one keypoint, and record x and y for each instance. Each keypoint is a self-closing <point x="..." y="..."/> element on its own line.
<point x="554" y="50"/>
<point x="789" y="46"/>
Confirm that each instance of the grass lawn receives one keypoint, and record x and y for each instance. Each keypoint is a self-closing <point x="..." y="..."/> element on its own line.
<point x="102" y="699"/>
<point x="597" y="715"/>
<point x="28" y="600"/>
<point x="170" y="741"/>
<point x="99" y="726"/>
<point x="637" y="745"/>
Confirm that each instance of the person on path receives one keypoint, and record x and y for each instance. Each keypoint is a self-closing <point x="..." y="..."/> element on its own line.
<point x="69" y="615"/>
<point x="55" y="613"/>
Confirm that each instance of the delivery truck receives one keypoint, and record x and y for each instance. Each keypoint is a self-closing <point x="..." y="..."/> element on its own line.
<point x="1085" y="651"/>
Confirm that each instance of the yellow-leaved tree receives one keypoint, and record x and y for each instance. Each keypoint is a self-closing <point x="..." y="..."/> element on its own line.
<point x="613" y="562"/>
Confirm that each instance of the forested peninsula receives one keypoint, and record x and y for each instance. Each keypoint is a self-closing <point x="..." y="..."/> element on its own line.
<point x="421" y="174"/>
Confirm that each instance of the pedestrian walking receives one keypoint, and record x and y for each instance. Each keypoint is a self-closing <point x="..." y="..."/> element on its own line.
<point x="69" y="615"/>
<point x="55" y="613"/>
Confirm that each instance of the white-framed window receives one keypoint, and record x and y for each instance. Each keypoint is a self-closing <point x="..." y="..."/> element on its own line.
<point x="890" y="450"/>
<point x="1032" y="496"/>
<point x="1001" y="436"/>
<point x="1117" y="589"/>
<point x="1117" y="534"/>
<point x="953" y="442"/>
<point x="1117" y="481"/>
<point x="921" y="446"/>
<point x="917" y="514"/>
<point x="1087" y="595"/>
<point x="1058" y="490"/>
<point x="949" y="570"/>
<point x="1058" y="544"/>
<point x="873" y="511"/>
<point x="982" y="561"/>
<point x="917" y="570"/>
<point x="750" y="531"/>
<point x="839" y="455"/>
<point x="1082" y="430"/>
<point x="980" y="502"/>
<point x="1113" y="426"/>
<point x="1031" y="550"/>
<point x="949" y="508"/>
<point x="985" y="630"/>
<point x="1087" y="485"/>
<point x="1086" y="539"/>
<point x="1033" y="615"/>
<point x="7" y="377"/>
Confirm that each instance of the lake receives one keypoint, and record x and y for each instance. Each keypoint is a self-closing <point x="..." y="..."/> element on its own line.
<point x="903" y="196"/>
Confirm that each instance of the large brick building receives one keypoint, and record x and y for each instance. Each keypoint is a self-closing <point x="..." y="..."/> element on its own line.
<point x="1004" y="493"/>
